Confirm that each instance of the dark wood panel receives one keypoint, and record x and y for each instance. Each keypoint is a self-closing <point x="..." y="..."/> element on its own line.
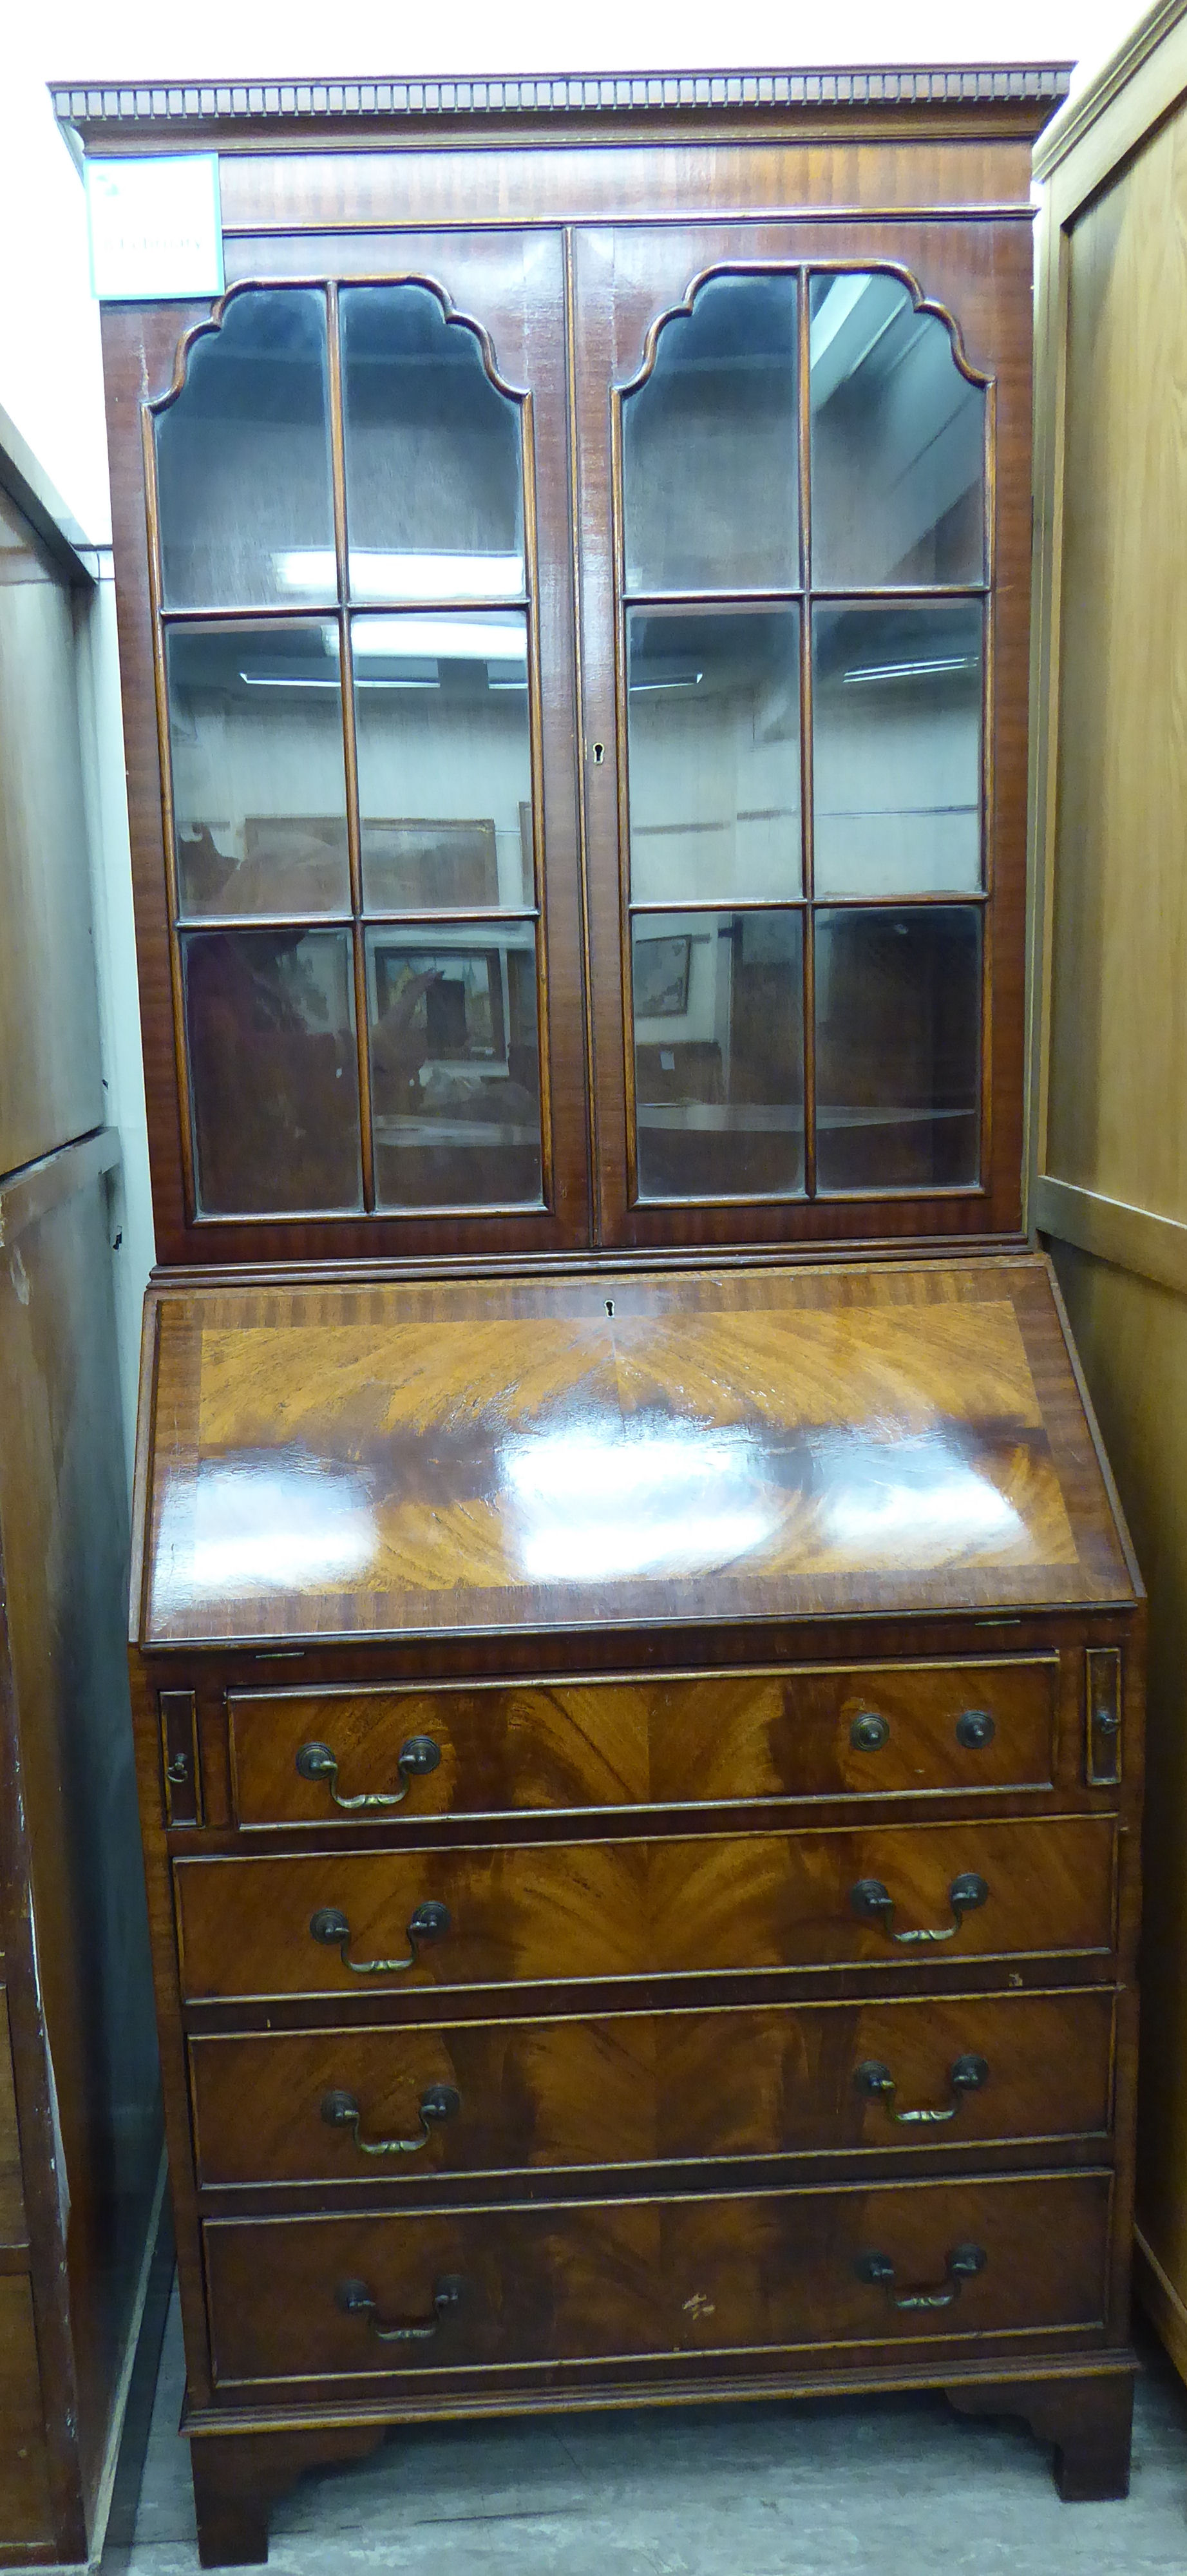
<point x="12" y="2204"/>
<point x="641" y="1909"/>
<point x="754" y="1443"/>
<point x="639" y="2088"/>
<point x="81" y="2011"/>
<point x="870" y="1731"/>
<point x="632" y="2278"/>
<point x="26" y="2513"/>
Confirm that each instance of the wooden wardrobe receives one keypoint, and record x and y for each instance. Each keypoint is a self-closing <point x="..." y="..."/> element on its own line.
<point x="80" y="2118"/>
<point x="1110" y="1059"/>
<point x="638" y="1665"/>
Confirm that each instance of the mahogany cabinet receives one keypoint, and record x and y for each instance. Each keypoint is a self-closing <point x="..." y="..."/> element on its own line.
<point x="638" y="1666"/>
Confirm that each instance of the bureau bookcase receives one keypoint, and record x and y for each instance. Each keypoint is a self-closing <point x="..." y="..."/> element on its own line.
<point x="638" y="1667"/>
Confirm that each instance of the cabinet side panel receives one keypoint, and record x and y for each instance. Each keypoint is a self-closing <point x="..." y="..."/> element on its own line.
<point x="50" y="1087"/>
<point x="63" y="1524"/>
<point x="1132" y="1337"/>
<point x="1119" y="935"/>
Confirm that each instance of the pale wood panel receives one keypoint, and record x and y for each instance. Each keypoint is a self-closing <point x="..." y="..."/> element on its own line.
<point x="24" y="2474"/>
<point x="50" y="1084"/>
<point x="1132" y="1338"/>
<point x="1119" y="960"/>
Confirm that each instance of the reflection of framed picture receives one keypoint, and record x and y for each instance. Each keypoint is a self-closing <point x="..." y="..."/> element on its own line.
<point x="429" y="867"/>
<point x="457" y="1001"/>
<point x="292" y="863"/>
<point x="661" y="968"/>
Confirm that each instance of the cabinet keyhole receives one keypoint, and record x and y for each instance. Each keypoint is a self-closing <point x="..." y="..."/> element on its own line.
<point x="599" y="753"/>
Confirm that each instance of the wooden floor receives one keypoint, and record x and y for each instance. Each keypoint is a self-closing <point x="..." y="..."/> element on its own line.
<point x="898" y="2484"/>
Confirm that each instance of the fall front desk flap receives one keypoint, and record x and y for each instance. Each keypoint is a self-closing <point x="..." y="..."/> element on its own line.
<point x="437" y="1456"/>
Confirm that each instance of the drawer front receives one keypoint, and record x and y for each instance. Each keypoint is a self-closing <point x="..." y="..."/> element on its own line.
<point x="873" y="1730"/>
<point x="638" y="2088"/>
<point x="345" y="1923"/>
<point x="312" y="2298"/>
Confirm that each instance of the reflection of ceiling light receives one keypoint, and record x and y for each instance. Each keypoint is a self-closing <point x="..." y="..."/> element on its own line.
<point x="378" y="575"/>
<point x="912" y="670"/>
<point x="911" y="1499"/>
<point x="961" y="1511"/>
<point x="651" y="688"/>
<point x="286" y="680"/>
<point x="296" y="1525"/>
<point x="446" y="639"/>
<point x="603" y="1506"/>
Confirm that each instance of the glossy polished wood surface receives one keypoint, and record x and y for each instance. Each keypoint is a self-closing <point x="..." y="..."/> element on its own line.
<point x="865" y="1732"/>
<point x="676" y="2278"/>
<point x="455" y="1456"/>
<point x="642" y="2088"/>
<point x="632" y="1909"/>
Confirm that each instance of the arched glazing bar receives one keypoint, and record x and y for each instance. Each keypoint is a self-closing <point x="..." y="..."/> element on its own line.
<point x="345" y="590"/>
<point x="805" y="569"/>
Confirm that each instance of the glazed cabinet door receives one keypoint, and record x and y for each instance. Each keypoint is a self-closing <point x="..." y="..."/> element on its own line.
<point x="803" y="496"/>
<point x="357" y="487"/>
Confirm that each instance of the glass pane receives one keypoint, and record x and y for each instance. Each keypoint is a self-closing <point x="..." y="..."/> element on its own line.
<point x="270" y="1029"/>
<point x="896" y="730"/>
<point x="259" y="789"/>
<point x="445" y="760"/>
<point x="898" y="1048"/>
<point x="710" y="445"/>
<point x="455" y="1067"/>
<point x="243" y="460"/>
<point x="719" y="1054"/>
<point x="434" y="478"/>
<point x="714" y="732"/>
<point x="898" y="441"/>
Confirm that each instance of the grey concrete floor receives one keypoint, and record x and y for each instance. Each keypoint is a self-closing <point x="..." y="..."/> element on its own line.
<point x="893" y="2486"/>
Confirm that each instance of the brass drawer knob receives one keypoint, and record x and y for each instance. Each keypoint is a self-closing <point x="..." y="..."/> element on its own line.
<point x="965" y="2075"/>
<point x="355" y="2300"/>
<point x="961" y="2264"/>
<point x="331" y="1926"/>
<point x="873" y="1903"/>
<point x="341" y="2111"/>
<point x="869" y="1732"/>
<point x="419" y="1755"/>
